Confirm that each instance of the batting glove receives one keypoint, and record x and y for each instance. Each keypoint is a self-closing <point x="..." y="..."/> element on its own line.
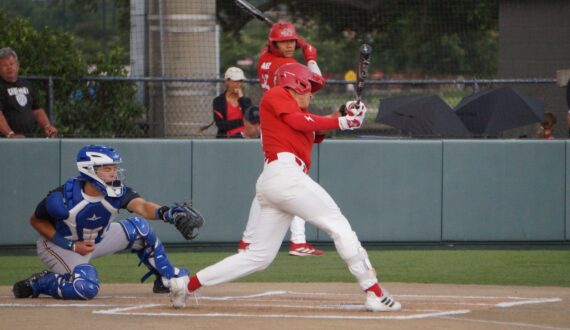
<point x="354" y="116"/>
<point x="309" y="51"/>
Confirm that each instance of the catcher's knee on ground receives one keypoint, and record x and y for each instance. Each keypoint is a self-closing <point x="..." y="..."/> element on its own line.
<point x="81" y="284"/>
<point x="144" y="241"/>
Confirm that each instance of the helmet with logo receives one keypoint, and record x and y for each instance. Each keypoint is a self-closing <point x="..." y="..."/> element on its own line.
<point x="299" y="78"/>
<point x="90" y="158"/>
<point x="281" y="31"/>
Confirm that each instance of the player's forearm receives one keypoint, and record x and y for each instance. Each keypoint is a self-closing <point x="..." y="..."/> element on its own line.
<point x="42" y="226"/>
<point x="143" y="208"/>
<point x="306" y="122"/>
<point x="41" y="118"/>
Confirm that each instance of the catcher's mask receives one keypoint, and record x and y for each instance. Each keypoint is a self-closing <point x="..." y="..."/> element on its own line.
<point x="89" y="161"/>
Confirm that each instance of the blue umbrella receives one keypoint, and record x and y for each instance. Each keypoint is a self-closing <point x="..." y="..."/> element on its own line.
<point x="492" y="111"/>
<point x="427" y="116"/>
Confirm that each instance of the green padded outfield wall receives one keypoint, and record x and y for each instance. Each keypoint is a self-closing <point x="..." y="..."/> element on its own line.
<point x="504" y="190"/>
<point x="390" y="190"/>
<point x="28" y="169"/>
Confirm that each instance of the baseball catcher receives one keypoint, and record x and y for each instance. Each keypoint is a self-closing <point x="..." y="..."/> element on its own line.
<point x="75" y="222"/>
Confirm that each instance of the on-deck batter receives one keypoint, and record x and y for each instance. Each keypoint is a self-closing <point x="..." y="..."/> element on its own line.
<point x="283" y="41"/>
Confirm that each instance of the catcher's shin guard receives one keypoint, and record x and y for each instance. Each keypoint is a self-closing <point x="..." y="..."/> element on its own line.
<point x="149" y="248"/>
<point x="82" y="284"/>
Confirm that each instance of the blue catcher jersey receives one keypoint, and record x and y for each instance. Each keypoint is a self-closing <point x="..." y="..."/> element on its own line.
<point x="89" y="216"/>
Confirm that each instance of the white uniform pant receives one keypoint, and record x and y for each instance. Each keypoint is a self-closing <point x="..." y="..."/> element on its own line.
<point x="297" y="225"/>
<point x="63" y="261"/>
<point x="283" y="191"/>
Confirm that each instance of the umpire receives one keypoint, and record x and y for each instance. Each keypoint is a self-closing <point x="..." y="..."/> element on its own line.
<point x="19" y="109"/>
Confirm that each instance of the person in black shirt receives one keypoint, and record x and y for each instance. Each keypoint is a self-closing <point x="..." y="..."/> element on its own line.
<point x="19" y="109"/>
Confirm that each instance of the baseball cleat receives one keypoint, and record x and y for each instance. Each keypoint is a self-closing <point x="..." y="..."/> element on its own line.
<point x="242" y="246"/>
<point x="159" y="287"/>
<point x="24" y="288"/>
<point x="381" y="304"/>
<point x="179" y="291"/>
<point x="304" y="249"/>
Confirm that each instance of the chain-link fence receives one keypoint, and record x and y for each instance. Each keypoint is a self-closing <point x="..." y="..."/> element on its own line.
<point x="183" y="118"/>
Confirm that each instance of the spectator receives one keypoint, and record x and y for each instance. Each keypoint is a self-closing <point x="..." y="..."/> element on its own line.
<point x="19" y="109"/>
<point x="546" y="128"/>
<point x="229" y="107"/>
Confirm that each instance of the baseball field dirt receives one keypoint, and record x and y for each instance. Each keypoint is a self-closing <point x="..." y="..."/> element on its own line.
<point x="296" y="306"/>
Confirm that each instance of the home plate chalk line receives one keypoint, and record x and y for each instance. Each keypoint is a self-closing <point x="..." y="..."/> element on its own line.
<point x="455" y="305"/>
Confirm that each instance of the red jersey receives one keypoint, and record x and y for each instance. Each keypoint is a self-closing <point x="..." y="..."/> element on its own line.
<point x="234" y="113"/>
<point x="276" y="135"/>
<point x="266" y="67"/>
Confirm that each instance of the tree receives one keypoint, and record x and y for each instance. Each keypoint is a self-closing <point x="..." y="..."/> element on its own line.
<point x="431" y="37"/>
<point x="110" y="111"/>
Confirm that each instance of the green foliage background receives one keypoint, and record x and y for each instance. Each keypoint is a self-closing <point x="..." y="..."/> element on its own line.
<point x="112" y="110"/>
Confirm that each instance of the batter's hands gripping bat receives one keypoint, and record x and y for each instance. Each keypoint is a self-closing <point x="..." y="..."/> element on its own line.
<point x="362" y="71"/>
<point x="251" y="9"/>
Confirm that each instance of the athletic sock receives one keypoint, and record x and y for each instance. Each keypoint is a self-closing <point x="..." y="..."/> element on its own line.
<point x="376" y="289"/>
<point x="194" y="284"/>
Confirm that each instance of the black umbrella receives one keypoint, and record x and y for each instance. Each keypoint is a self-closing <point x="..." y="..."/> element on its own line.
<point x="421" y="116"/>
<point x="492" y="111"/>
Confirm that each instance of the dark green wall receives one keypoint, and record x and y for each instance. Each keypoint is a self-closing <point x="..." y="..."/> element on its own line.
<point x="391" y="191"/>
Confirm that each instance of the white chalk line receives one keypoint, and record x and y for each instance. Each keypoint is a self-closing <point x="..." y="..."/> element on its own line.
<point x="414" y="296"/>
<point x="533" y="301"/>
<point x="349" y="317"/>
<point x="121" y="310"/>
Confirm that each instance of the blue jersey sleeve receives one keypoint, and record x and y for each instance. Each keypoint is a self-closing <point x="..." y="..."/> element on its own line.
<point x="129" y="195"/>
<point x="41" y="210"/>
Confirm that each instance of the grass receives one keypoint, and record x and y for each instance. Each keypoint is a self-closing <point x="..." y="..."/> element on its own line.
<point x="499" y="267"/>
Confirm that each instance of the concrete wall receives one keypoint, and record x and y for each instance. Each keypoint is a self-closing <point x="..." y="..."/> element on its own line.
<point x="391" y="191"/>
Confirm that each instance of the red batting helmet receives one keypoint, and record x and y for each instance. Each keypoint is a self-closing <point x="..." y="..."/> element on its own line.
<point x="299" y="78"/>
<point x="281" y="31"/>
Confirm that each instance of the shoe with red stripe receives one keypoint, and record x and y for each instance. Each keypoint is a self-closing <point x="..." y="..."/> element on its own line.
<point x="242" y="246"/>
<point x="304" y="249"/>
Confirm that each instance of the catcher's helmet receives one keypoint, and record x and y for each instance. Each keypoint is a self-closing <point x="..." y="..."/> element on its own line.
<point x="281" y="31"/>
<point x="92" y="156"/>
<point x="299" y="78"/>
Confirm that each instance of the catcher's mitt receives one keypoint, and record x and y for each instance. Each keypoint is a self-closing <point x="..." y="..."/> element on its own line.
<point x="185" y="218"/>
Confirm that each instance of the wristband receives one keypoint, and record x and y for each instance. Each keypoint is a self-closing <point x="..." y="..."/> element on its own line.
<point x="63" y="243"/>
<point x="10" y="134"/>
<point x="160" y="212"/>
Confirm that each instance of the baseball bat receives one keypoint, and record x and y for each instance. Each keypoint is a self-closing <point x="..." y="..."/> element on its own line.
<point x="362" y="71"/>
<point x="251" y="9"/>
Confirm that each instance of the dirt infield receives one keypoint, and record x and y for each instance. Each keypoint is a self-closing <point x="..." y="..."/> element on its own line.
<point x="296" y="306"/>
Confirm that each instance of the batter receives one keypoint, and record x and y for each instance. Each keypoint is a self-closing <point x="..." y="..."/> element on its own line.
<point x="284" y="190"/>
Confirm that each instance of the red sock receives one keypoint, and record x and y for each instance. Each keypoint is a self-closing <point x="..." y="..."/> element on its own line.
<point x="194" y="284"/>
<point x="376" y="289"/>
